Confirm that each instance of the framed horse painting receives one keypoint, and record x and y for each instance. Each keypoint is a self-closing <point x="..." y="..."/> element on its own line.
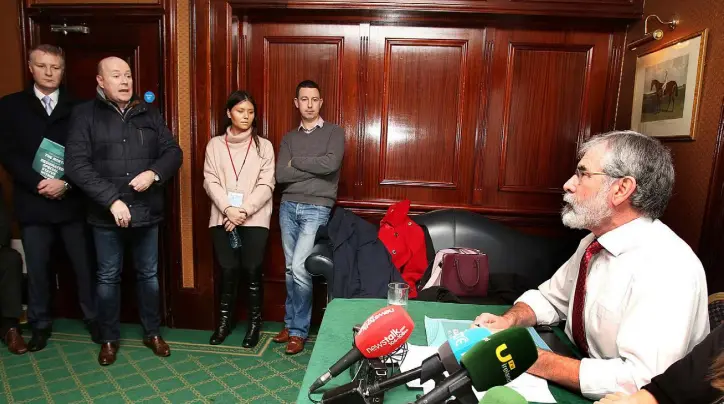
<point x="667" y="88"/>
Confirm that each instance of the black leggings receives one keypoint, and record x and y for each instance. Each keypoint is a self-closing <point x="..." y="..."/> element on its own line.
<point x="246" y="260"/>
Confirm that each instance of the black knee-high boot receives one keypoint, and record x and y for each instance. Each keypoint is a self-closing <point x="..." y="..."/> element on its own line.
<point x="256" y="296"/>
<point x="229" y="284"/>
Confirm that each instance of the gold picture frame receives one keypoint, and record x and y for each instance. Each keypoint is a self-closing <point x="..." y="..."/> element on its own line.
<point x="667" y="88"/>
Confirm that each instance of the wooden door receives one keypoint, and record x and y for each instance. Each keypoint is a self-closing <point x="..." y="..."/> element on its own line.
<point x="136" y="39"/>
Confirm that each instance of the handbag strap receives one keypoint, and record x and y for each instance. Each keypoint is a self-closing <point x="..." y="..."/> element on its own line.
<point x="477" y="273"/>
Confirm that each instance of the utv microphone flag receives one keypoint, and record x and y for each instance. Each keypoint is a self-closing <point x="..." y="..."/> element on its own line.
<point x="380" y="335"/>
<point x="49" y="160"/>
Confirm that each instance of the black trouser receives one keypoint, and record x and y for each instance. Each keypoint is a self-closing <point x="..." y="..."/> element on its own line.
<point x="11" y="290"/>
<point x="246" y="261"/>
<point x="37" y="243"/>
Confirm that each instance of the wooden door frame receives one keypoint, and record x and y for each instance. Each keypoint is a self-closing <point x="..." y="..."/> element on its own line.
<point x="164" y="14"/>
<point x="712" y="229"/>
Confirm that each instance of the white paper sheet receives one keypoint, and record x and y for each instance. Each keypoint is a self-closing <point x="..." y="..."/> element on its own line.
<point x="531" y="387"/>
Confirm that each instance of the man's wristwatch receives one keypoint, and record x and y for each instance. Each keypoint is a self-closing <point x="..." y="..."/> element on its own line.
<point x="66" y="186"/>
<point x="156" y="177"/>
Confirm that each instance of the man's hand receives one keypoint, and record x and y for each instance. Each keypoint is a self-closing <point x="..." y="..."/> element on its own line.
<point x="611" y="398"/>
<point x="143" y="181"/>
<point x="51" y="188"/>
<point x="492" y="322"/>
<point x="120" y="213"/>
<point x="228" y="226"/>
<point x="640" y="397"/>
<point x="236" y="216"/>
<point x="520" y="315"/>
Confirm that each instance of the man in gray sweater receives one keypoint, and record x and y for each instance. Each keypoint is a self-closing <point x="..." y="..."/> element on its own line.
<point x="308" y="166"/>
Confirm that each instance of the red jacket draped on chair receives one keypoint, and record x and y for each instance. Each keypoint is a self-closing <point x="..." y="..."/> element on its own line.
<point x="405" y="241"/>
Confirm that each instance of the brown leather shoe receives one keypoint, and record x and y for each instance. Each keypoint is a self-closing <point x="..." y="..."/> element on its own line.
<point x="157" y="345"/>
<point x="15" y="342"/>
<point x="295" y="345"/>
<point x="282" y="337"/>
<point x="107" y="356"/>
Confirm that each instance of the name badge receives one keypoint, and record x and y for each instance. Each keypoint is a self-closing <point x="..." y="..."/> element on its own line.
<point x="236" y="199"/>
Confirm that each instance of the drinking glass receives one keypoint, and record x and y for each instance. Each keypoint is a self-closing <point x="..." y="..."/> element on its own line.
<point x="397" y="293"/>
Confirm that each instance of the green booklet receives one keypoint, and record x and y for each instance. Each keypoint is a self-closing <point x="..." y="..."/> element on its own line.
<point x="49" y="159"/>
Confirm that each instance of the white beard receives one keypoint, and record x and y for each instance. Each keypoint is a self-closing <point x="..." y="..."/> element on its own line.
<point x="586" y="214"/>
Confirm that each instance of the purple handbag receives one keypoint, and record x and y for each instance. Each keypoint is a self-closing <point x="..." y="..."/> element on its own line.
<point x="465" y="275"/>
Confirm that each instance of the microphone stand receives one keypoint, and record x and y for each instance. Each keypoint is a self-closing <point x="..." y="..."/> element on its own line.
<point x="431" y="369"/>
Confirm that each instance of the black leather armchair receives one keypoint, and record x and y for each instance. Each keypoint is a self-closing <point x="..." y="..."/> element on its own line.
<point x="534" y="258"/>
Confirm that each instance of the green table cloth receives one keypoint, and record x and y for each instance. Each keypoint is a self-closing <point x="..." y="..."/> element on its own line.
<point x="335" y="339"/>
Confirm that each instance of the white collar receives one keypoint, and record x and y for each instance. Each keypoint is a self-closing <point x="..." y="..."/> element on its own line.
<point x="627" y="236"/>
<point x="318" y="124"/>
<point x="53" y="96"/>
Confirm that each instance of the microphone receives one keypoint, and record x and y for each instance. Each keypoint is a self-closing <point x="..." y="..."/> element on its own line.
<point x="381" y="334"/>
<point x="502" y="395"/>
<point x="446" y="359"/>
<point x="460" y="343"/>
<point x="494" y="361"/>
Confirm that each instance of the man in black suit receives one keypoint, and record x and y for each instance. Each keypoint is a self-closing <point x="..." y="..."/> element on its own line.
<point x="45" y="207"/>
<point x="11" y="276"/>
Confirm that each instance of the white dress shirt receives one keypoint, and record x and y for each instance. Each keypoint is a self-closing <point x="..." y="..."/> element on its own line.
<point x="646" y="305"/>
<point x="53" y="97"/>
<point x="319" y="124"/>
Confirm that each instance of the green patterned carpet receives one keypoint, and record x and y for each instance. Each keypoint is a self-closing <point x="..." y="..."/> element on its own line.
<point x="67" y="371"/>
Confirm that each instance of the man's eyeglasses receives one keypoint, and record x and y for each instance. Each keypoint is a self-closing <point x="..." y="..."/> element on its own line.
<point x="580" y="173"/>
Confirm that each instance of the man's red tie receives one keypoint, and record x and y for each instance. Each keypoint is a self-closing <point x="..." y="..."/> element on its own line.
<point x="578" y="325"/>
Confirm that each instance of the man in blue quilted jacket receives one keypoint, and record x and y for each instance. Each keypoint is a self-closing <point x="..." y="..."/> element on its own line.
<point x="120" y="154"/>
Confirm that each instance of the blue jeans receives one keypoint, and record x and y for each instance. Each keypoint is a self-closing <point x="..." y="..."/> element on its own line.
<point x="110" y="246"/>
<point x="299" y="223"/>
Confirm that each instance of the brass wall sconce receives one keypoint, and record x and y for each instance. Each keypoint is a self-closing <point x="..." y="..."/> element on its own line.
<point x="655" y="35"/>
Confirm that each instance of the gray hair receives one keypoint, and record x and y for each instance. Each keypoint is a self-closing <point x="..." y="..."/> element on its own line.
<point x="644" y="158"/>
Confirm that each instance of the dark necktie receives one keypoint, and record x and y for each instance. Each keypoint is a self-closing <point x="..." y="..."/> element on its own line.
<point x="578" y="325"/>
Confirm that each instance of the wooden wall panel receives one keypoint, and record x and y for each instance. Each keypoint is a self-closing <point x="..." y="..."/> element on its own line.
<point x="573" y="8"/>
<point x="422" y="119"/>
<point x="545" y="108"/>
<point x="420" y="114"/>
<point x="547" y="94"/>
<point x="289" y="60"/>
<point x="86" y="2"/>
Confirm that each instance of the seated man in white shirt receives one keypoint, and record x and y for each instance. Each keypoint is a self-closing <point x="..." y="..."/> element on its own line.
<point x="641" y="303"/>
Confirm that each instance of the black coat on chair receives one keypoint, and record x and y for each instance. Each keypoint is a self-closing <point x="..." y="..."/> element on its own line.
<point x="517" y="261"/>
<point x="362" y="265"/>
